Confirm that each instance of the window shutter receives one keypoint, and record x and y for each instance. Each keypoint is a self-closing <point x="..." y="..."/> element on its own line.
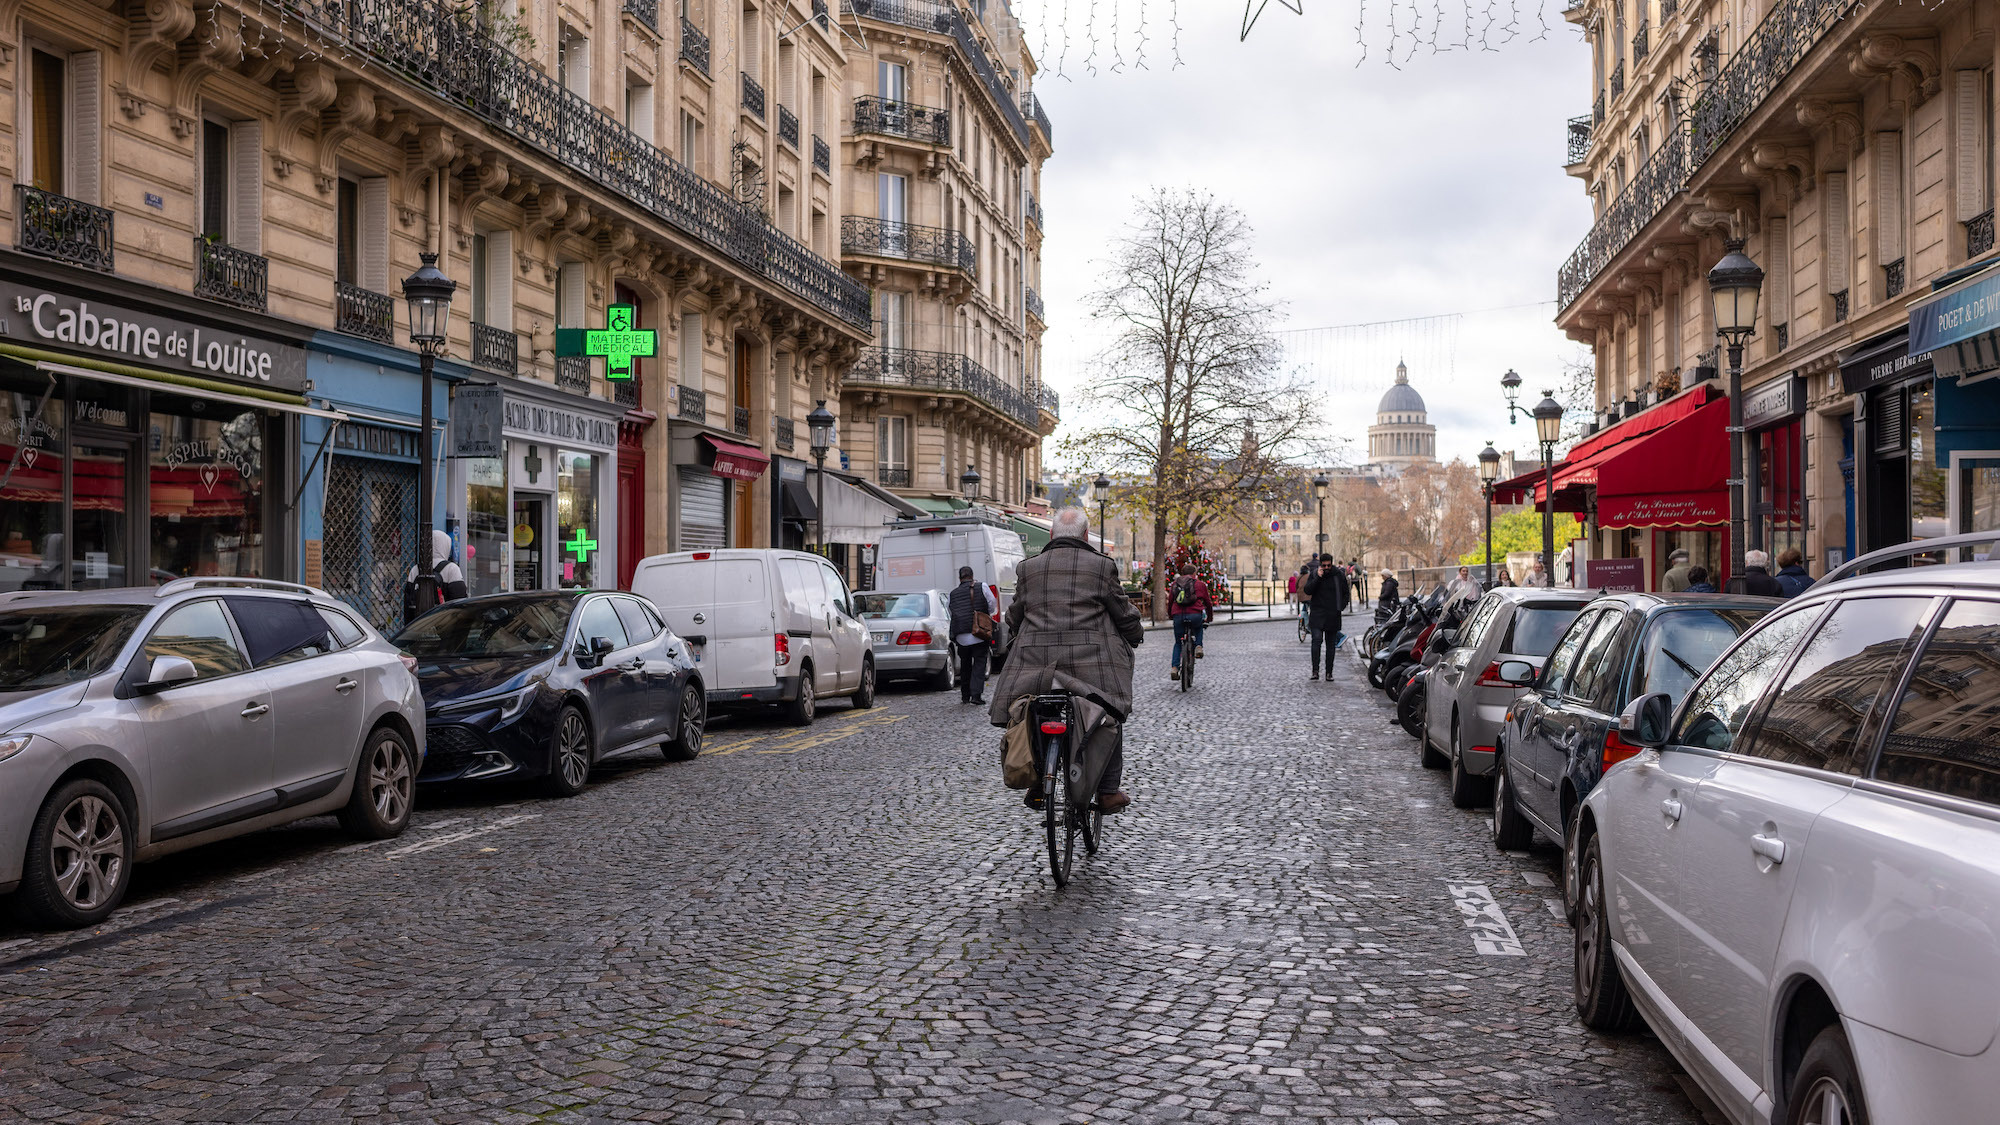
<point x="86" y="125"/>
<point x="691" y="348"/>
<point x="373" y="231"/>
<point x="246" y="186"/>
<point x="1834" y="219"/>
<point x="1780" y="283"/>
<point x="1969" y="90"/>
<point x="1889" y="196"/>
<point x="499" y="279"/>
<point x="570" y="309"/>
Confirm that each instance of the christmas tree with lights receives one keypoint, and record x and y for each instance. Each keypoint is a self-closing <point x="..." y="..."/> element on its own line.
<point x="1193" y="554"/>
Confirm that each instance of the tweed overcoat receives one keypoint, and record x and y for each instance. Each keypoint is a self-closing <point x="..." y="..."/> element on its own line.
<point x="1071" y="616"/>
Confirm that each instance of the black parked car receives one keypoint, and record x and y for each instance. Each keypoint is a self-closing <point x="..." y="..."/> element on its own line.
<point x="545" y="684"/>
<point x="1562" y="734"/>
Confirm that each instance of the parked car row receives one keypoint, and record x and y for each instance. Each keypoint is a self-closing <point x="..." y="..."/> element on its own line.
<point x="1779" y="823"/>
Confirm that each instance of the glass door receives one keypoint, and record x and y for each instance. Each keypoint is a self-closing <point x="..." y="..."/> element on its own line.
<point x="100" y="523"/>
<point x="530" y="540"/>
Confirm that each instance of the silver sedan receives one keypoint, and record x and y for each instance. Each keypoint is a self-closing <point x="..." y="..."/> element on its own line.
<point x="910" y="635"/>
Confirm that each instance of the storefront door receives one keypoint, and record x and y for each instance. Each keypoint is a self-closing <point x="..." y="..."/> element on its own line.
<point x="531" y="532"/>
<point x="100" y="523"/>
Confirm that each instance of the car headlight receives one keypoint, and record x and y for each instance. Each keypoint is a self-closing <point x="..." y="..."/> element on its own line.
<point x="14" y="745"/>
<point x="509" y="704"/>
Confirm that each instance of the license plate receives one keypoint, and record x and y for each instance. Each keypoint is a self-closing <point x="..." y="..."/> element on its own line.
<point x="881" y="638"/>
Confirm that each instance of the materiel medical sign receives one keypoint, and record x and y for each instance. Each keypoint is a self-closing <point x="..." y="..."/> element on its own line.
<point x="618" y="341"/>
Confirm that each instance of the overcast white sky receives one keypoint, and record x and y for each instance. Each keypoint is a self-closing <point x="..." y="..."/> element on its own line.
<point x="1376" y="194"/>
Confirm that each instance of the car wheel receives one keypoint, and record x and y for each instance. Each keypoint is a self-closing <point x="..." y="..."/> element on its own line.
<point x="1602" y="1001"/>
<point x="1511" y="830"/>
<point x="570" y="754"/>
<point x="686" y="743"/>
<point x="1827" y="1088"/>
<point x="864" y="696"/>
<point x="385" y="788"/>
<point x="79" y="859"/>
<point x="946" y="678"/>
<point x="1468" y="790"/>
<point x="800" y="711"/>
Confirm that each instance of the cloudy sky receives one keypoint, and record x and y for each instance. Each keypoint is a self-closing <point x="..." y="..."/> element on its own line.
<point x="1376" y="193"/>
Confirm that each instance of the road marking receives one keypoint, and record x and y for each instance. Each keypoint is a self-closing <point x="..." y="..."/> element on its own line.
<point x="1492" y="936"/>
<point x="454" y="837"/>
<point x="830" y="730"/>
<point x="445" y="823"/>
<point x="1556" y="909"/>
<point x="1537" y="879"/>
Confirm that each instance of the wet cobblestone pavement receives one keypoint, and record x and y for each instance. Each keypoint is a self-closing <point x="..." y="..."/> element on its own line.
<point x="854" y="923"/>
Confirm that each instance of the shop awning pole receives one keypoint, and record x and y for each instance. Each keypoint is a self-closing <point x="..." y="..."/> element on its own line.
<point x="320" y="454"/>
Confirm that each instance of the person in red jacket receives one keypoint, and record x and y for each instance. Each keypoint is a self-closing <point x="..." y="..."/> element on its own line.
<point x="1191" y="607"/>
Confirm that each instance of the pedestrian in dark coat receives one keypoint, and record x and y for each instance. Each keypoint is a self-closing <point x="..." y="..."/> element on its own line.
<point x="1070" y="614"/>
<point x="1391" y="593"/>
<point x="1757" y="576"/>
<point x="1326" y="594"/>
<point x="1792" y="576"/>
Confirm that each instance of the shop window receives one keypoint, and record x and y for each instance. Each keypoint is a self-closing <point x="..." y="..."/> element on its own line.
<point x="576" y="519"/>
<point x="63" y="121"/>
<point x="232" y="184"/>
<point x="488" y="530"/>
<point x="207" y="470"/>
<point x="1927" y="478"/>
<point x="31" y="483"/>
<point x="1780" y="481"/>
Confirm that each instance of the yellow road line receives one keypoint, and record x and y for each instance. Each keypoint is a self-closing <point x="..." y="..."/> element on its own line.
<point x="829" y="730"/>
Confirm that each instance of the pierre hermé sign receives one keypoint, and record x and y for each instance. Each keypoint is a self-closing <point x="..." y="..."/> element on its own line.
<point x="98" y="328"/>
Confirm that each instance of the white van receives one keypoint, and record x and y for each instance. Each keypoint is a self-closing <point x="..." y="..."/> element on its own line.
<point x="925" y="554"/>
<point x="765" y="626"/>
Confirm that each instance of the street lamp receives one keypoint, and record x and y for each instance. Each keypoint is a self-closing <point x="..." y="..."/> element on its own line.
<point x="1319" y="493"/>
<point x="428" y="293"/>
<point x="1100" y="490"/>
<point x="1489" y="472"/>
<point x="1548" y="430"/>
<point x="1510" y="385"/>
<point x="1734" y="285"/>
<point x="968" y="483"/>
<point x="819" y="424"/>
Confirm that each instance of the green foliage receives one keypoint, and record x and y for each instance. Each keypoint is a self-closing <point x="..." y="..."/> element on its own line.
<point x="1512" y="531"/>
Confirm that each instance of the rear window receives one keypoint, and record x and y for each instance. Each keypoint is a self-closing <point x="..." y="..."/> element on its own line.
<point x="1682" y="643"/>
<point x="892" y="605"/>
<point x="1536" y="629"/>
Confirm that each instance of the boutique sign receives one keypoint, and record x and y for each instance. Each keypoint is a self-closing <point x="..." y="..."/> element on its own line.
<point x="96" y="328"/>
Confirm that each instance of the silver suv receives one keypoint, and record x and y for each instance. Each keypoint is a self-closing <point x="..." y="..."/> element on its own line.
<point x="138" y="722"/>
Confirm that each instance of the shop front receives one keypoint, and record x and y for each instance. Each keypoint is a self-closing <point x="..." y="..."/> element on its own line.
<point x="538" y="505"/>
<point x="141" y="441"/>
<point x="712" y="477"/>
<point x="1955" y="430"/>
<point x="1774" y="424"/>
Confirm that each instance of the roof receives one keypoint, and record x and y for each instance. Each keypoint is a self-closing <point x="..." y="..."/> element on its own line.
<point x="1401" y="398"/>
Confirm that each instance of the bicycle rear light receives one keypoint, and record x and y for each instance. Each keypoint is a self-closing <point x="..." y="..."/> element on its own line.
<point x="1055" y="726"/>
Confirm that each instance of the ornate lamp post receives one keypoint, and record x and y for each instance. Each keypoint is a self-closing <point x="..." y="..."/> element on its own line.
<point x="428" y="293"/>
<point x="1734" y="285"/>
<point x="1548" y="430"/>
<point x="1100" y="491"/>
<point x="968" y="483"/>
<point x="1489" y="472"/>
<point x="819" y="424"/>
<point x="1319" y="493"/>
<point x="1510" y="385"/>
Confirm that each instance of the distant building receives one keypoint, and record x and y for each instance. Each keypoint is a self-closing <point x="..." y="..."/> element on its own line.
<point x="1402" y="433"/>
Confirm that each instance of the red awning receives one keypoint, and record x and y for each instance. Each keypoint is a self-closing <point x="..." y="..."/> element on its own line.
<point x="1672" y="477"/>
<point x="736" y="462"/>
<point x="1586" y="462"/>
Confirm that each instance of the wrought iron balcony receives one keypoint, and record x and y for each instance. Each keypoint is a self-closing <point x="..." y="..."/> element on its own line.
<point x="1032" y="208"/>
<point x="1618" y="78"/>
<point x="942" y="371"/>
<point x="1032" y="107"/>
<point x="1667" y="10"/>
<point x="892" y="476"/>
<point x="626" y="393"/>
<point x="902" y="119"/>
<point x="788" y="127"/>
<point x="573" y="372"/>
<point x="693" y="405"/>
<point x="944" y="19"/>
<point x="822" y="155"/>
<point x="753" y="96"/>
<point x="364" y="312"/>
<point x="784" y="433"/>
<point x="1034" y="302"/>
<point x="1979" y="234"/>
<point x="740" y="423"/>
<point x="1579" y="139"/>
<point x="65" y="229"/>
<point x="645" y="11"/>
<point x="820" y="15"/>
<point x="1840" y="307"/>
<point x="495" y="349"/>
<point x="883" y="238"/>
<point x="1641" y="43"/>
<point x="431" y="47"/>
<point x="1597" y="112"/>
<point x="1893" y="278"/>
<point x="1783" y="332"/>
<point x="236" y="277"/>
<point x="1050" y="402"/>
<point x="694" y="46"/>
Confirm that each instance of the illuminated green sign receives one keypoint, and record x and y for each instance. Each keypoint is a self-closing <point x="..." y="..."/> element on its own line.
<point x="581" y="545"/>
<point x="618" y="341"/>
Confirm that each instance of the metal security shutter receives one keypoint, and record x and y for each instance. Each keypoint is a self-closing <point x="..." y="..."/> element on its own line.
<point x="1885" y="421"/>
<point x="704" y="526"/>
<point x="369" y="538"/>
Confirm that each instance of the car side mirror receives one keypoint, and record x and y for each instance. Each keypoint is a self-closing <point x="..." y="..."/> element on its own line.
<point x="165" y="672"/>
<point x="1520" y="673"/>
<point x="1645" y="719"/>
<point x="594" y="653"/>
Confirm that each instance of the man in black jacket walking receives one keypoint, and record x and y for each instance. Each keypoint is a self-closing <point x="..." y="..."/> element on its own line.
<point x="1326" y="595"/>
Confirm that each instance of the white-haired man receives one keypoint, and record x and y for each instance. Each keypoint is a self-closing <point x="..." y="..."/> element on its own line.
<point x="1070" y="615"/>
<point x="1757" y="576"/>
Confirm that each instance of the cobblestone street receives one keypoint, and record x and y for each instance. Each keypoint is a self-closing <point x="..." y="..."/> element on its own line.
<point x="854" y="923"/>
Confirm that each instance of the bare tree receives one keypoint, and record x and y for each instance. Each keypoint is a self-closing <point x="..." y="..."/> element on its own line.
<point x="1195" y="413"/>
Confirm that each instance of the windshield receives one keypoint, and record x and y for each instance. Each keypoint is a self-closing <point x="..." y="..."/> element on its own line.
<point x="1683" y="643"/>
<point x="501" y="628"/>
<point x="1537" y="628"/>
<point x="45" y="648"/>
<point x="892" y="605"/>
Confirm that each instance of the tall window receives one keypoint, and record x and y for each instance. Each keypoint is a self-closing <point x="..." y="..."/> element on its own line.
<point x="573" y="61"/>
<point x="480" y="262"/>
<point x="1973" y="97"/>
<point x="492" y="280"/>
<point x="570" y="298"/>
<point x="788" y="91"/>
<point x="788" y="211"/>
<point x="691" y="350"/>
<point x="639" y="107"/>
<point x="50" y="92"/>
<point x="892" y="442"/>
<point x="232" y="183"/>
<point x="690" y="141"/>
<point x="65" y="91"/>
<point x="752" y="59"/>
<point x="892" y="318"/>
<point x="347" y="232"/>
<point x="891" y="197"/>
<point x="892" y="81"/>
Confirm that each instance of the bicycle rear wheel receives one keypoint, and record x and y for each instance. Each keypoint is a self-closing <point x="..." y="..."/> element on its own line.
<point x="1186" y="651"/>
<point x="1093" y="830"/>
<point x="1059" y="816"/>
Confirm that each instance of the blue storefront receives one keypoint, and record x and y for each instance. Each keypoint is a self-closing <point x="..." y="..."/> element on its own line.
<point x="358" y="498"/>
<point x="1959" y="326"/>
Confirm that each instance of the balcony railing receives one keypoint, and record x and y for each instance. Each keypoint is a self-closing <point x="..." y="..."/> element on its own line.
<point x="65" y="229"/>
<point x="1979" y="234"/>
<point x="941" y="371"/>
<point x="1050" y="402"/>
<point x="892" y="476"/>
<point x="740" y="422"/>
<point x="1667" y="10"/>
<point x="942" y="19"/>
<point x="1034" y="302"/>
<point x="495" y="349"/>
<point x="573" y="372"/>
<point x="822" y="155"/>
<point x="902" y="119"/>
<point x="820" y="15"/>
<point x="433" y="48"/>
<point x="1597" y="111"/>
<point x="645" y="11"/>
<point x="1840" y="306"/>
<point x="788" y="127"/>
<point x="1032" y="107"/>
<point x="1718" y="108"/>
<point x="1618" y="78"/>
<point x="364" y="312"/>
<point x="1032" y="207"/>
<point x="694" y="46"/>
<point x="784" y="433"/>
<point x="625" y="392"/>
<point x="1579" y="139"/>
<point x="693" y="405"/>
<point x="236" y="277"/>
<point x="1641" y="43"/>
<point x="753" y="96"/>
<point x="883" y="238"/>
<point x="1893" y="278"/>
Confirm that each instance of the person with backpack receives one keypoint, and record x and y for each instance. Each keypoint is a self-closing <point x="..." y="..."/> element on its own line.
<point x="449" y="584"/>
<point x="1327" y="594"/>
<point x="972" y="630"/>
<point x="1792" y="577"/>
<point x="1191" y="608"/>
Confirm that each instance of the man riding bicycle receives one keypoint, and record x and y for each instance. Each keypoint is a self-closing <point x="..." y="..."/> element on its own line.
<point x="1071" y="616"/>
<point x="1191" y="608"/>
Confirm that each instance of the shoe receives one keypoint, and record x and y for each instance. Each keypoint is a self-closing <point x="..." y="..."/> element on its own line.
<point x="1108" y="803"/>
<point x="1173" y="673"/>
<point x="1032" y="798"/>
<point x="979" y="701"/>
<point x="1315" y="675"/>
<point x="1197" y="652"/>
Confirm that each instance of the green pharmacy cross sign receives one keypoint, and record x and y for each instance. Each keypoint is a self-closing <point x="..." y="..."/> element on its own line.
<point x="618" y="341"/>
<point x="581" y="545"/>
